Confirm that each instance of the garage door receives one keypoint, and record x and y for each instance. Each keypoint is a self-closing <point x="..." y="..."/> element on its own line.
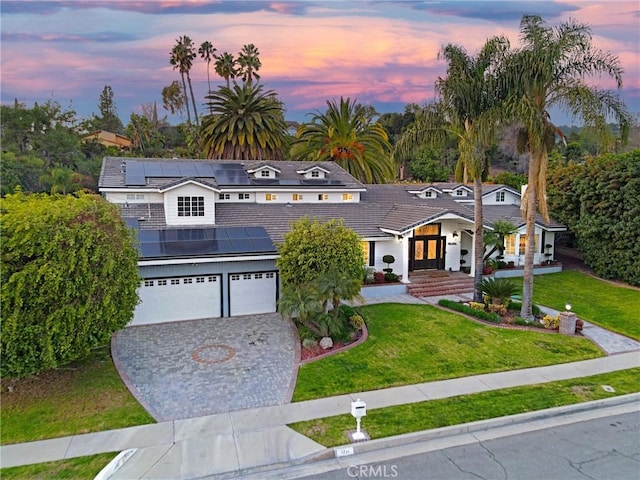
<point x="251" y="293"/>
<point x="173" y="299"/>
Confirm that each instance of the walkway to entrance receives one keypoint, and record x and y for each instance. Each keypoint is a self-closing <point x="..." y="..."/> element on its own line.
<point x="201" y="367"/>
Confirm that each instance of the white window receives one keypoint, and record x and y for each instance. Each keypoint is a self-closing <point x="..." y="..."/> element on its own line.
<point x="323" y="197"/>
<point x="297" y="197"/>
<point x="148" y="283"/>
<point x="428" y="194"/>
<point x="500" y="196"/>
<point x="162" y="283"/>
<point x="243" y="196"/>
<point x="135" y="196"/>
<point x="191" y="206"/>
<point x="347" y="196"/>
<point x="271" y="197"/>
<point x="265" y="173"/>
<point x="459" y="192"/>
<point x="224" y="196"/>
<point x="315" y="174"/>
<point x="175" y="281"/>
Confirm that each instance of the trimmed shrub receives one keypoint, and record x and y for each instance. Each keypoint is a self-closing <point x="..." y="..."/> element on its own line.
<point x="481" y="314"/>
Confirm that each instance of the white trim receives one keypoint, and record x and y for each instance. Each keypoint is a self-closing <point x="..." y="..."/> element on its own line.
<point x="262" y="167"/>
<point x="130" y="190"/>
<point x="186" y="182"/>
<point x="311" y="169"/>
<point x="182" y="261"/>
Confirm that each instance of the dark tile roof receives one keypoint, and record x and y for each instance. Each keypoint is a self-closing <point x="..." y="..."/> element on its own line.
<point x="512" y="213"/>
<point x="113" y="176"/>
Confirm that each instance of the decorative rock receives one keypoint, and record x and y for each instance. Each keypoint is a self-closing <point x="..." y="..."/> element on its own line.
<point x="326" y="343"/>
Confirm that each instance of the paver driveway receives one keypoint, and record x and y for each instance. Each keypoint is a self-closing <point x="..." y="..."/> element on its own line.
<point x="201" y="367"/>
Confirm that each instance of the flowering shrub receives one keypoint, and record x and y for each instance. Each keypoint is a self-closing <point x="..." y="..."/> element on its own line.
<point x="476" y="305"/>
<point x="356" y="322"/>
<point x="499" y="309"/>
<point x="551" y="322"/>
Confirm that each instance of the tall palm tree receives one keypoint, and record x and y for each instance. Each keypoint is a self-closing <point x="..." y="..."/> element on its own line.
<point x="182" y="56"/>
<point x="347" y="135"/>
<point x="548" y="71"/>
<point x="468" y="106"/>
<point x="207" y="52"/>
<point x="249" y="62"/>
<point x="246" y="124"/>
<point x="226" y="66"/>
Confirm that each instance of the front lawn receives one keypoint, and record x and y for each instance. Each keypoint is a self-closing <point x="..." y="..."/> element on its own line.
<point x="411" y="344"/>
<point x="602" y="303"/>
<point x="86" y="396"/>
<point x="413" y="417"/>
<point x="73" y="468"/>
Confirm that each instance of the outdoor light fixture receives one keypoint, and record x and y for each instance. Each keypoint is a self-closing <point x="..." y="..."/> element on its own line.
<point x="568" y="307"/>
<point x="455" y="234"/>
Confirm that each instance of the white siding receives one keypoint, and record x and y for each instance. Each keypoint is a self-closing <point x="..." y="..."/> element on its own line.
<point x="509" y="199"/>
<point x="189" y="190"/>
<point x="123" y="197"/>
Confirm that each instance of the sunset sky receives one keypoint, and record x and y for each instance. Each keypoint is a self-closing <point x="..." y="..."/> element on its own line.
<point x="382" y="53"/>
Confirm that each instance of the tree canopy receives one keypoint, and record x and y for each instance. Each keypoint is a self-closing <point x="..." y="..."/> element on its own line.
<point x="69" y="279"/>
<point x="312" y="248"/>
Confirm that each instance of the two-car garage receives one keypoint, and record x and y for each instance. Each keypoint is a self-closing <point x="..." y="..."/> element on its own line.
<point x="176" y="298"/>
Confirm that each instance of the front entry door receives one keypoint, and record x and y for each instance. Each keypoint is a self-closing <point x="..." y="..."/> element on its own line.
<point x="427" y="252"/>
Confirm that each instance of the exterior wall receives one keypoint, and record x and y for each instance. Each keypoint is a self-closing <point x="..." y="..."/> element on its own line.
<point x="234" y="197"/>
<point x="389" y="247"/>
<point x="307" y="197"/>
<point x="518" y="258"/>
<point x="190" y="190"/>
<point x="123" y="197"/>
<point x="222" y="268"/>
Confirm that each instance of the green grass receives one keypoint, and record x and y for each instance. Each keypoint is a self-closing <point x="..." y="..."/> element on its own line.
<point x="385" y="422"/>
<point x="73" y="468"/>
<point x="411" y="344"/>
<point x="602" y="303"/>
<point x="84" y="397"/>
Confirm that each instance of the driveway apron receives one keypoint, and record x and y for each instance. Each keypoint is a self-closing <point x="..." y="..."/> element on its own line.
<point x="201" y="367"/>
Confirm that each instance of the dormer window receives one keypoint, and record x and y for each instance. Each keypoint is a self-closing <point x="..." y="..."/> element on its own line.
<point x="265" y="173"/>
<point x="315" y="174"/>
<point x="428" y="194"/>
<point x="459" y="192"/>
<point x="500" y="196"/>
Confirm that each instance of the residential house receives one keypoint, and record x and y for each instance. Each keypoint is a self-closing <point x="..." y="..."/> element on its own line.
<point x="108" y="139"/>
<point x="208" y="230"/>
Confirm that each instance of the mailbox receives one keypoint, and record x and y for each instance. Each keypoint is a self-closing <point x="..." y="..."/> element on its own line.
<point x="358" y="409"/>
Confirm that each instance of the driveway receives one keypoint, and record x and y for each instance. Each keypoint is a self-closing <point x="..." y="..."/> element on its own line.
<point x="201" y="367"/>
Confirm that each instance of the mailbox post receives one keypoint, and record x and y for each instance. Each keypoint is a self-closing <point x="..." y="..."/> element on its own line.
<point x="358" y="410"/>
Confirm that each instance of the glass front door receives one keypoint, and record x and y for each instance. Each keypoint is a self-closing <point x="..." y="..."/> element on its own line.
<point x="427" y="252"/>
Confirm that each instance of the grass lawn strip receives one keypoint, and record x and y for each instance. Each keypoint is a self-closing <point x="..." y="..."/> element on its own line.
<point x="87" y="396"/>
<point x="411" y="344"/>
<point x="73" y="468"/>
<point x="597" y="301"/>
<point x="390" y="421"/>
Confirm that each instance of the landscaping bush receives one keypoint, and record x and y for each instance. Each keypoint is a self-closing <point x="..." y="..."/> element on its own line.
<point x="516" y="306"/>
<point x="390" y="277"/>
<point x="357" y="322"/>
<point x="481" y="314"/>
<point x="499" y="288"/>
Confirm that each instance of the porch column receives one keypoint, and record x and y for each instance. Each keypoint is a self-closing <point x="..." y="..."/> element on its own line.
<point x="473" y="257"/>
<point x="405" y="259"/>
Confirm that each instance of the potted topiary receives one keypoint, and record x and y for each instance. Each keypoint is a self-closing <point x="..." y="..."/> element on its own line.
<point x="388" y="259"/>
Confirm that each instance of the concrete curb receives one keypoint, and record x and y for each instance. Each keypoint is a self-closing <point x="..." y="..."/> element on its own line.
<point x="465" y="432"/>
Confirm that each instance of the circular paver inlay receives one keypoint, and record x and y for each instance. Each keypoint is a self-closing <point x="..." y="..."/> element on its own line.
<point x="212" y="354"/>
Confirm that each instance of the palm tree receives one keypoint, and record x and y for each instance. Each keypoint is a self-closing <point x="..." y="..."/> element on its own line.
<point x="335" y="286"/>
<point x="347" y="135"/>
<point x="226" y="66"/>
<point x="546" y="72"/>
<point x="249" y="63"/>
<point x="207" y="52"/>
<point x="62" y="180"/>
<point x="302" y="302"/>
<point x="468" y="106"/>
<point x="246" y="124"/>
<point x="495" y="237"/>
<point x="182" y="56"/>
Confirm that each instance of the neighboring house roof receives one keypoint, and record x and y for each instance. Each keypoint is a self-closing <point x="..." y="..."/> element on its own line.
<point x="108" y="139"/>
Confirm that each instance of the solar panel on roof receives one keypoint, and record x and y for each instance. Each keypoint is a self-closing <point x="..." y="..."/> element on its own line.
<point x="205" y="170"/>
<point x="152" y="169"/>
<point x="170" y="169"/>
<point x="204" y="242"/>
<point x="188" y="170"/>
<point x="134" y="174"/>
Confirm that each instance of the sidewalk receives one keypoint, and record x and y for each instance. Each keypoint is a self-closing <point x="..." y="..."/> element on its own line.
<point x="248" y="439"/>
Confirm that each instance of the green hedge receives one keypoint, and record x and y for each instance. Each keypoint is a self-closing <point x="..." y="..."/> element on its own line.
<point x="513" y="305"/>
<point x="481" y="314"/>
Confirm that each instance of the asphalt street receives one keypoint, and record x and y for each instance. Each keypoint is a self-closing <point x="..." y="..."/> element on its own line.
<point x="600" y="449"/>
